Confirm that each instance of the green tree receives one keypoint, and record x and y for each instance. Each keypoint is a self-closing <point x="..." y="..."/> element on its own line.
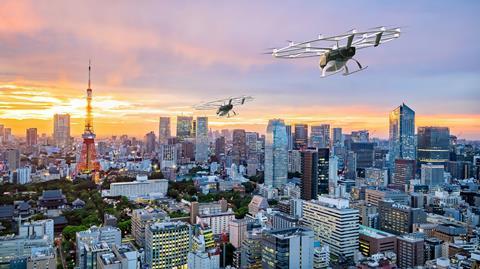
<point x="70" y="231"/>
<point x="125" y="226"/>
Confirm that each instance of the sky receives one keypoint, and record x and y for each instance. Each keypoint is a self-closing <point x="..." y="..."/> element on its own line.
<point x="159" y="58"/>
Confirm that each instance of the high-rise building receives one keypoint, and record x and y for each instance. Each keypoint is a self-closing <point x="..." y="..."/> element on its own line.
<point x="334" y="223"/>
<point x="288" y="248"/>
<point x="404" y="172"/>
<point x="433" y="145"/>
<point x="432" y="175"/>
<point x="201" y="141"/>
<point x="361" y="136"/>
<point x="320" y="136"/>
<point x="239" y="147"/>
<point x="309" y="183"/>
<point x="237" y="231"/>
<point x="323" y="170"/>
<point x="141" y="219"/>
<point x="184" y="127"/>
<point x="150" y="144"/>
<point x="251" y="250"/>
<point x="168" y="156"/>
<point x="193" y="133"/>
<point x="288" y="128"/>
<point x="397" y="218"/>
<point x="276" y="154"/>
<point x="220" y="147"/>
<point x="167" y="244"/>
<point x="8" y="134"/>
<point x="350" y="165"/>
<point x="337" y="137"/>
<point x="164" y="130"/>
<point x="31" y="137"/>
<point x="402" y="134"/>
<point x="301" y="136"/>
<point x="364" y="153"/>
<point x="12" y="156"/>
<point x="2" y="133"/>
<point x="410" y="251"/>
<point x="61" y="129"/>
<point x="251" y="139"/>
<point x="294" y="161"/>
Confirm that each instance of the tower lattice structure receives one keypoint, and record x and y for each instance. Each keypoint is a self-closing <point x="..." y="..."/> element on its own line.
<point x="88" y="158"/>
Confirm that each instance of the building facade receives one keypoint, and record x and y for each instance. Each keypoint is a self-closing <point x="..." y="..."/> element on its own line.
<point x="167" y="244"/>
<point x="402" y="134"/>
<point x="276" y="154"/>
<point x="334" y="223"/>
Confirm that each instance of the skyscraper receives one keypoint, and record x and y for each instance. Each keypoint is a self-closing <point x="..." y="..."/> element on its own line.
<point x="12" y="156"/>
<point x="337" y="137"/>
<point x="364" y="153"/>
<point x="288" y="128"/>
<point x="8" y="134"/>
<point x="184" y="127"/>
<point x="164" y="130"/>
<point x="320" y="136"/>
<point x="433" y="145"/>
<point x="404" y="172"/>
<point x="2" y="133"/>
<point x="31" y="136"/>
<point x="239" y="148"/>
<point x="309" y="183"/>
<point x="323" y="170"/>
<point x="402" y="134"/>
<point x="432" y="175"/>
<point x="61" y="129"/>
<point x="201" y="140"/>
<point x="251" y="139"/>
<point x="150" y="144"/>
<point x="220" y="147"/>
<point x="276" y="154"/>
<point x="301" y="136"/>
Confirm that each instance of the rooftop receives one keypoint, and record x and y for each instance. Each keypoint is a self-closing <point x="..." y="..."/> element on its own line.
<point x="52" y="194"/>
<point x="371" y="232"/>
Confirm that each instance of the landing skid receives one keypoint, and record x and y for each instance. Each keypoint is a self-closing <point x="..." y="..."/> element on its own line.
<point x="347" y="73"/>
<point x="360" y="68"/>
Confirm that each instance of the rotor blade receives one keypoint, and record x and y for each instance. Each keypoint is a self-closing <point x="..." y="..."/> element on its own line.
<point x="378" y="38"/>
<point x="350" y="40"/>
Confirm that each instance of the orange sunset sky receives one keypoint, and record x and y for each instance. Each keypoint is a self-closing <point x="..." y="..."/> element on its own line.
<point x="155" y="58"/>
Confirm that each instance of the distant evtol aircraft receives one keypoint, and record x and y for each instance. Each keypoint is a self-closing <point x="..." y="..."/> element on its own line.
<point x="224" y="106"/>
<point x="334" y="57"/>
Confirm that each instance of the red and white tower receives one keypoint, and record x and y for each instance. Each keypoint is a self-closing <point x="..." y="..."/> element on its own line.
<point x="88" y="158"/>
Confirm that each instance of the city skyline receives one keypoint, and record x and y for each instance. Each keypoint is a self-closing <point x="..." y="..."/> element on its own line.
<point x="141" y="76"/>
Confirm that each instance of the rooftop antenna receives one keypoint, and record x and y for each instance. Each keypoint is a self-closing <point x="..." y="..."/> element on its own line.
<point x="89" y="68"/>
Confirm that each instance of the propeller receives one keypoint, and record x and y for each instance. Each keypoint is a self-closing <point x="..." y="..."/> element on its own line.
<point x="350" y="40"/>
<point x="378" y="38"/>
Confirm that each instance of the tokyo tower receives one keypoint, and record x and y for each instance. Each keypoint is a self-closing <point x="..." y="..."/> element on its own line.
<point x="88" y="158"/>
